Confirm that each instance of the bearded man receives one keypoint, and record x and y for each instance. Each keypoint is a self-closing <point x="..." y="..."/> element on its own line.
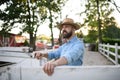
<point x="70" y="53"/>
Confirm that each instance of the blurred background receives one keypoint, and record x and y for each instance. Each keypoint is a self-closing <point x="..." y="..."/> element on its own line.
<point x="34" y="23"/>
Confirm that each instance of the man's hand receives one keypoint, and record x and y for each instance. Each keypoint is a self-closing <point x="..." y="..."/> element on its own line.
<point x="38" y="55"/>
<point x="49" y="67"/>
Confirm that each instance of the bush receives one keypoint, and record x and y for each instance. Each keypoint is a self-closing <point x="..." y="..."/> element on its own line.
<point x="111" y="41"/>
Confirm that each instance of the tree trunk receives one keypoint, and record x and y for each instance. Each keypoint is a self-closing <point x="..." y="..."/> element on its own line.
<point x="99" y="23"/>
<point x="32" y="42"/>
<point x="50" y="25"/>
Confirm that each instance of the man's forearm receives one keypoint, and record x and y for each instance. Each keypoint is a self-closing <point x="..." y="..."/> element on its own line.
<point x="60" y="61"/>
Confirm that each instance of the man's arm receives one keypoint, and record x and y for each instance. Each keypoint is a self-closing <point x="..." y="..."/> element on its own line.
<point x="39" y="55"/>
<point x="60" y="61"/>
<point x="49" y="66"/>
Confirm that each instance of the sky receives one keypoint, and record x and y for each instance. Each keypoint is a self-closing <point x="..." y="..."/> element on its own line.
<point x="71" y="8"/>
<point x="116" y="14"/>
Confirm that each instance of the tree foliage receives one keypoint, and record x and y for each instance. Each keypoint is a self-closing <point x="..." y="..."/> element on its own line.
<point x="98" y="21"/>
<point x="30" y="13"/>
<point x="10" y="15"/>
<point x="3" y="1"/>
<point x="91" y="37"/>
<point x="111" y="32"/>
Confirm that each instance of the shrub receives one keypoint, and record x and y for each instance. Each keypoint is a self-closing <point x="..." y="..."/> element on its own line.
<point x="110" y="41"/>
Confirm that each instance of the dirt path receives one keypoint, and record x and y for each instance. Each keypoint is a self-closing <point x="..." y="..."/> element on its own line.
<point x="95" y="58"/>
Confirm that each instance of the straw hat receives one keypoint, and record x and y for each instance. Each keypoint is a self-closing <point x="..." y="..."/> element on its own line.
<point x="69" y="21"/>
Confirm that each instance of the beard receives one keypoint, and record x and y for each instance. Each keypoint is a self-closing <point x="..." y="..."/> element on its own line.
<point x="67" y="35"/>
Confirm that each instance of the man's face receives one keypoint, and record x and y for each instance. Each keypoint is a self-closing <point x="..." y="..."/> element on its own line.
<point x="67" y="31"/>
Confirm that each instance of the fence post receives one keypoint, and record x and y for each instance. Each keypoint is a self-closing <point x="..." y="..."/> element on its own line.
<point x="116" y="53"/>
<point x="108" y="49"/>
<point x="98" y="47"/>
<point x="104" y="48"/>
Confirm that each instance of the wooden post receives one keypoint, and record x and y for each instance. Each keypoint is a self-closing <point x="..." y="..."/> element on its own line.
<point x="98" y="47"/>
<point x="104" y="49"/>
<point x="116" y="53"/>
<point x="108" y="49"/>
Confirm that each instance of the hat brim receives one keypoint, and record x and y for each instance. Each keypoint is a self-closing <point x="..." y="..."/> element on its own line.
<point x="75" y="25"/>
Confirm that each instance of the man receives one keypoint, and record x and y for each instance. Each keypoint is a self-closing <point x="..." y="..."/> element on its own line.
<point x="70" y="53"/>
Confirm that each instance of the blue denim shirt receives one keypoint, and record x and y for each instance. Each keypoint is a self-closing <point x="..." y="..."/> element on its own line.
<point x="72" y="50"/>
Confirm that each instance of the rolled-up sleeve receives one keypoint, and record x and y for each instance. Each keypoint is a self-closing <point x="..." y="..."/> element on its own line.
<point x="54" y="54"/>
<point x="74" y="53"/>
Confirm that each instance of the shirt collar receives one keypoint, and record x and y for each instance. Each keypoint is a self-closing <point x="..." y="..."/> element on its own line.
<point x="72" y="39"/>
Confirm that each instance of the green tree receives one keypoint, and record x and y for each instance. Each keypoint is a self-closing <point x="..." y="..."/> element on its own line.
<point x="97" y="15"/>
<point x="3" y="1"/>
<point x="46" y="9"/>
<point x="53" y="7"/>
<point x="90" y="38"/>
<point x="9" y="16"/>
<point x="111" y="32"/>
<point x="79" y="34"/>
<point x="30" y="19"/>
<point x="32" y="14"/>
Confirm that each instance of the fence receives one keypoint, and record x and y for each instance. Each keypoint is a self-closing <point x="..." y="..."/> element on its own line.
<point x="110" y="52"/>
<point x="30" y="69"/>
<point x="62" y="73"/>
